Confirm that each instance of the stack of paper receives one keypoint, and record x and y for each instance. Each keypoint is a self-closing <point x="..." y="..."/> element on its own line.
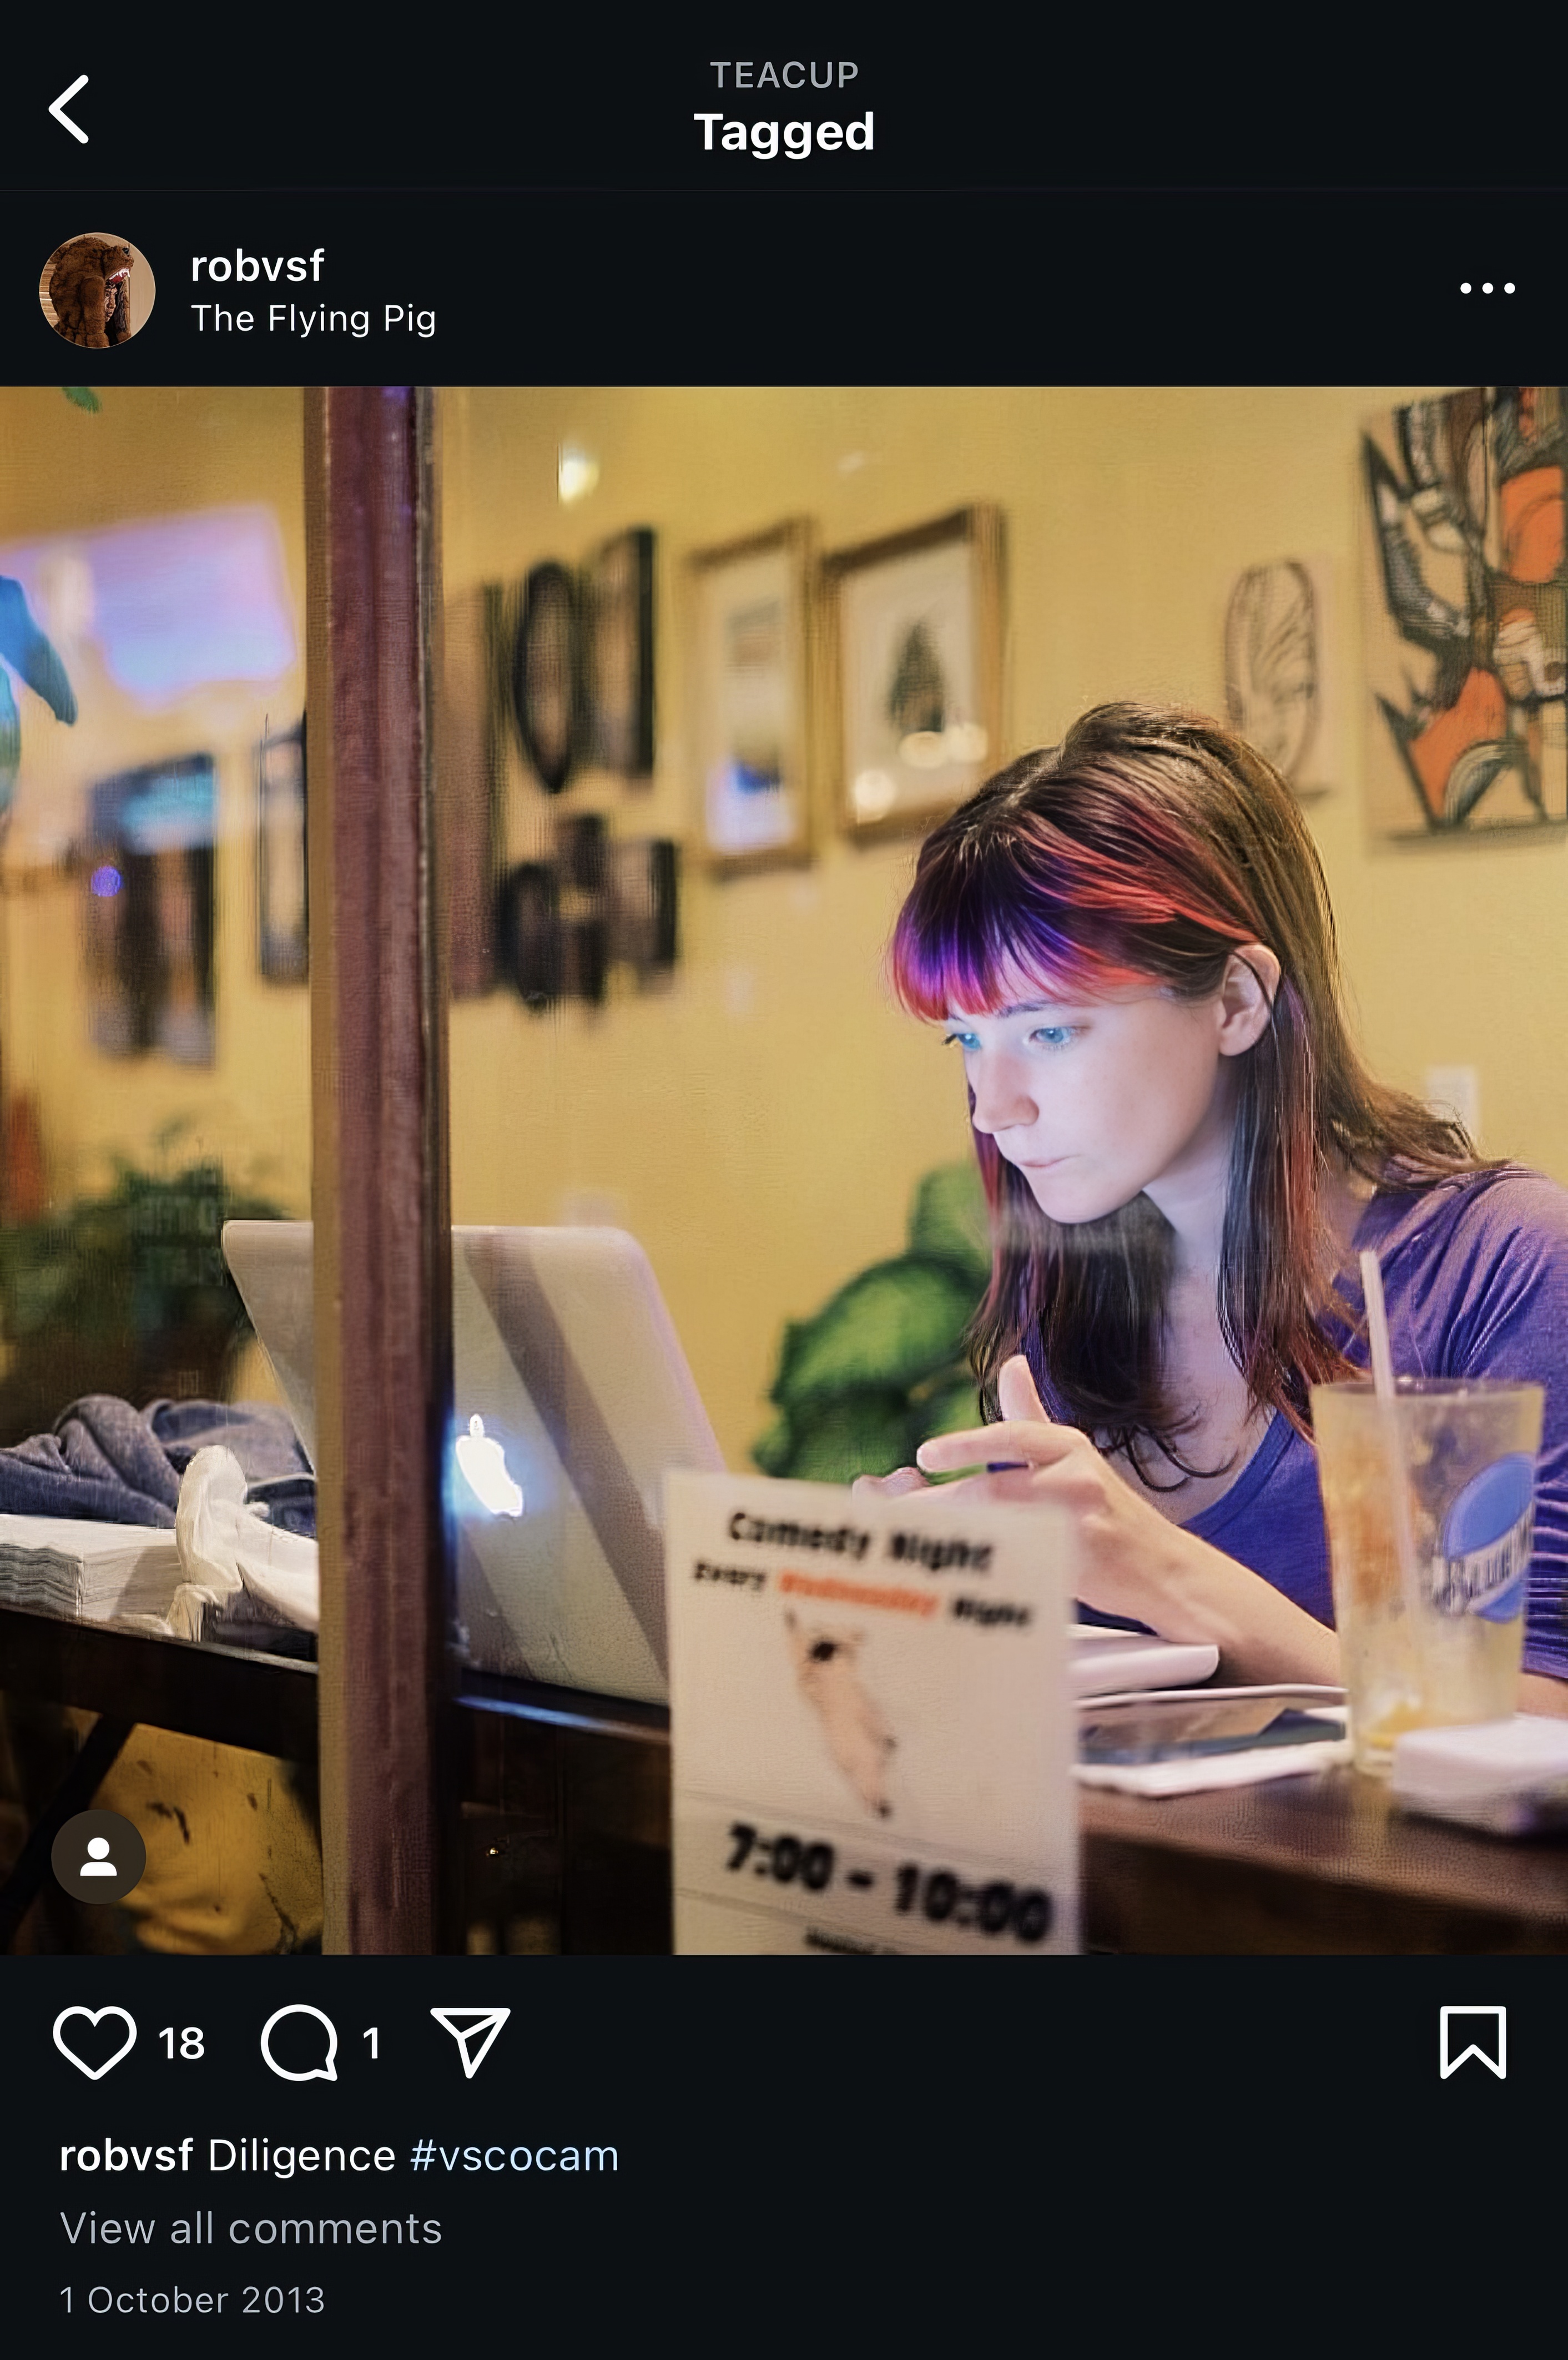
<point x="92" y="1572"/>
<point x="1106" y="1663"/>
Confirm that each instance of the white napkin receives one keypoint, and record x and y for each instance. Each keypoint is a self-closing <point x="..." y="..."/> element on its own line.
<point x="225" y="1546"/>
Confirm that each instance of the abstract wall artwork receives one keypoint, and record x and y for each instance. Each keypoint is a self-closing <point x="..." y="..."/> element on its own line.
<point x="1280" y="668"/>
<point x="1467" y="612"/>
<point x="915" y="653"/>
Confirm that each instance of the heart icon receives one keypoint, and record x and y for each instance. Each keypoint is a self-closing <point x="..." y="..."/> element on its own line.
<point x="95" y="2072"/>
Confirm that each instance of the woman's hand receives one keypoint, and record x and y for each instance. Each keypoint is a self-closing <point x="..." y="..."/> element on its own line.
<point x="891" y="1487"/>
<point x="1132" y="1561"/>
<point x="1128" y="1553"/>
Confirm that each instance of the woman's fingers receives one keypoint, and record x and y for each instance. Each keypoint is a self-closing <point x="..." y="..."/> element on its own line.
<point x="889" y="1487"/>
<point x="1024" y="1434"/>
<point x="1068" y="1484"/>
<point x="1017" y="1397"/>
<point x="1018" y="1443"/>
<point x="1024" y="1438"/>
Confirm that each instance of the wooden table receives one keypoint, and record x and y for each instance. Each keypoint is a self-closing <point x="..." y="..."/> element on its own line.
<point x="1318" y="1864"/>
<point x="1321" y="1864"/>
<point x="1315" y="1864"/>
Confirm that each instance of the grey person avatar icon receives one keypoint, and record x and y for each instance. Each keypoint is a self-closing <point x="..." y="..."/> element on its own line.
<point x="98" y="1856"/>
<point x="96" y="290"/>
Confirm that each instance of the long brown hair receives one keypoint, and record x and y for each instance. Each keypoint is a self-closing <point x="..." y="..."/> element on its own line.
<point x="1150" y="845"/>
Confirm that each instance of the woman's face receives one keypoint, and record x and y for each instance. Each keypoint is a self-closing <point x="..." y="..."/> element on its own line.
<point x="1099" y="1100"/>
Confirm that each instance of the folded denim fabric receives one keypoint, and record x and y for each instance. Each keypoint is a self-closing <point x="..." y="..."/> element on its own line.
<point x="107" y="1460"/>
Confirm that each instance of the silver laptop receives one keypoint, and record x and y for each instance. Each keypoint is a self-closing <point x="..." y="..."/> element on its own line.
<point x="574" y="1399"/>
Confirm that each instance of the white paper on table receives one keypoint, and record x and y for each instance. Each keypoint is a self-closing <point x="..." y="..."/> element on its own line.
<point x="1106" y="1661"/>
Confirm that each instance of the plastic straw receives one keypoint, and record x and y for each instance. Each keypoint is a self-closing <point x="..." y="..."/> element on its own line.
<point x="1399" y="1475"/>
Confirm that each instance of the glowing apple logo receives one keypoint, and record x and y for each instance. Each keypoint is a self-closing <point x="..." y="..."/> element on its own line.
<point x="483" y="1465"/>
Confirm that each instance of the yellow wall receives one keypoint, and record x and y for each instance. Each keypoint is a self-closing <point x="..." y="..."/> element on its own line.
<point x="759" y="1124"/>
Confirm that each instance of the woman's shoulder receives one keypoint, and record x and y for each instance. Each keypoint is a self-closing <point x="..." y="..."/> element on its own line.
<point x="1475" y="1263"/>
<point x="1502" y="1205"/>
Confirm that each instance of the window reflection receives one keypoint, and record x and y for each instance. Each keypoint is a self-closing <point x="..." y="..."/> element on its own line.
<point x="154" y="1067"/>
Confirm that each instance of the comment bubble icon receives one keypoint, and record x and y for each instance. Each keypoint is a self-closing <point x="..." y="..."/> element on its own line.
<point x="327" y="2070"/>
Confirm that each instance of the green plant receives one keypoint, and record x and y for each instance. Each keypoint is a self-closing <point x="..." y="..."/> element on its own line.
<point x="125" y="1292"/>
<point x="882" y="1364"/>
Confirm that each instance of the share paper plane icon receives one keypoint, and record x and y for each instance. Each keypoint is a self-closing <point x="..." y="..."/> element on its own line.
<point x="474" y="2030"/>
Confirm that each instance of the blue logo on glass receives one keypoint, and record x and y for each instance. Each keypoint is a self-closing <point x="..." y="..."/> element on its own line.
<point x="1482" y="1556"/>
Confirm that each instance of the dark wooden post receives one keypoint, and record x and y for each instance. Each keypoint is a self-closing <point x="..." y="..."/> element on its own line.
<point x="380" y="1193"/>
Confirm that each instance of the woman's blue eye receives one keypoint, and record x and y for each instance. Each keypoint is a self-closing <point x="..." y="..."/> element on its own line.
<point x="963" y="1039"/>
<point x="1055" y="1037"/>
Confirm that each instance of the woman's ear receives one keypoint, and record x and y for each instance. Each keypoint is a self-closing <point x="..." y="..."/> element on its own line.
<point x="1247" y="996"/>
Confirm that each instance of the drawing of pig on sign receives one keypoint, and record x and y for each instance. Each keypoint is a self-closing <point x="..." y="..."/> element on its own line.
<point x="858" y="1734"/>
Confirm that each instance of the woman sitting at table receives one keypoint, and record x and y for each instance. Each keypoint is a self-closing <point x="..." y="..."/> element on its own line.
<point x="1128" y="941"/>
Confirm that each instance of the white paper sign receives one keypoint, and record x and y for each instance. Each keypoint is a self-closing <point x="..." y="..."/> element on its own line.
<point x="871" y="1726"/>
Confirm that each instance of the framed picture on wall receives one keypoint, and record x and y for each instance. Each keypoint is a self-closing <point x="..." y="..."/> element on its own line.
<point x="750" y="697"/>
<point x="617" y="654"/>
<point x="645" y="878"/>
<point x="282" y="899"/>
<point x="546" y="674"/>
<point x="529" y="940"/>
<point x="150" y="911"/>
<point x="914" y="642"/>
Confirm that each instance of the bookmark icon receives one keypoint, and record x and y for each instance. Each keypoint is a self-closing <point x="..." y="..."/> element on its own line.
<point x="1489" y="2046"/>
<point x="474" y="2030"/>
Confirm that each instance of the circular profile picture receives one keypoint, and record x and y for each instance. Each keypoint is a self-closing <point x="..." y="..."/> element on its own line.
<point x="96" y="290"/>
